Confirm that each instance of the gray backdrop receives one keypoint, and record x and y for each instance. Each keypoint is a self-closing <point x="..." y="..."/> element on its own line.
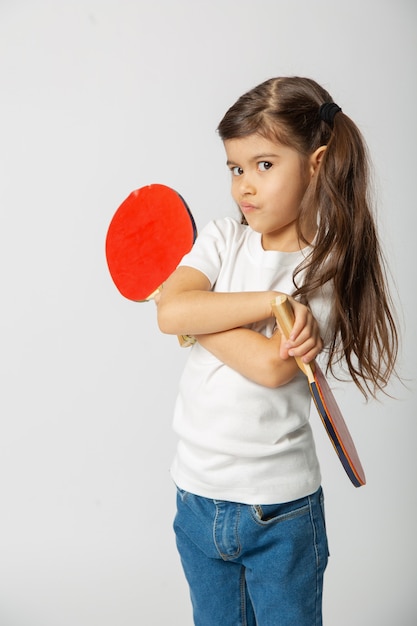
<point x="99" y="97"/>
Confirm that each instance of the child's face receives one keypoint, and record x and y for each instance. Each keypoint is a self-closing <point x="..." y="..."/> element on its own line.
<point x="269" y="181"/>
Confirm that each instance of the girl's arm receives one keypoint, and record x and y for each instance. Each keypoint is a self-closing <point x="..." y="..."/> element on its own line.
<point x="252" y="354"/>
<point x="186" y="306"/>
<point x="264" y="360"/>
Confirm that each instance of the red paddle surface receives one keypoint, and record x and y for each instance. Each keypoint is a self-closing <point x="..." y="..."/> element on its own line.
<point x="148" y="236"/>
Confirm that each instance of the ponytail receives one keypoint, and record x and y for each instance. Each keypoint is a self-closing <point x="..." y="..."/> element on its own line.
<point x="347" y="251"/>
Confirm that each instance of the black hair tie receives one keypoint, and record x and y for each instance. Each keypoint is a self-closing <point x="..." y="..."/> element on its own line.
<point x="327" y="112"/>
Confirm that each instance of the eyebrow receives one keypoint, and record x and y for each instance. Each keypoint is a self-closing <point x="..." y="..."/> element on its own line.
<point x="256" y="157"/>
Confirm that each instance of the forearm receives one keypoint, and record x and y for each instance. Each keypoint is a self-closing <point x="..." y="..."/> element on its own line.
<point x="186" y="306"/>
<point x="251" y="354"/>
<point x="195" y="313"/>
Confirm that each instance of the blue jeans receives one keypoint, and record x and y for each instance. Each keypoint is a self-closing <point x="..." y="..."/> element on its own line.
<point x="258" y="565"/>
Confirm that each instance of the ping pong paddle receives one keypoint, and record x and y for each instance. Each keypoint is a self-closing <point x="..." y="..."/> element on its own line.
<point x="324" y="400"/>
<point x="147" y="237"/>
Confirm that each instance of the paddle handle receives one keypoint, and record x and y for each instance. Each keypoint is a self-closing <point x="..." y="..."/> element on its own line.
<point x="186" y="341"/>
<point x="284" y="314"/>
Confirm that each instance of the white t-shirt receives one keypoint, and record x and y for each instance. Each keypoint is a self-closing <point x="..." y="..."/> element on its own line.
<point x="240" y="441"/>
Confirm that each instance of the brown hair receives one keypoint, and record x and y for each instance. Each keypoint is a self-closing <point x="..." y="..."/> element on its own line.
<point x="346" y="249"/>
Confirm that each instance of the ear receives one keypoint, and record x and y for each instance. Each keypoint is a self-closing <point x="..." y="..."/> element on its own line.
<point x="315" y="159"/>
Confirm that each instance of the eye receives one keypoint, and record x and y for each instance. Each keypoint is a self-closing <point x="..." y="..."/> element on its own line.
<point x="264" y="166"/>
<point x="236" y="170"/>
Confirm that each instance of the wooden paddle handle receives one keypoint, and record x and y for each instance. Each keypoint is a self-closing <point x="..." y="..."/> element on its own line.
<point x="186" y="341"/>
<point x="284" y="314"/>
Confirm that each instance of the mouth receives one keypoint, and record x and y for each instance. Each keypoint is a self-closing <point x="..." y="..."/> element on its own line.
<point x="246" y="207"/>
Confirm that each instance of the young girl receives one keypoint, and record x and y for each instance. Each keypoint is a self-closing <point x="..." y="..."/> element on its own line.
<point x="250" y="525"/>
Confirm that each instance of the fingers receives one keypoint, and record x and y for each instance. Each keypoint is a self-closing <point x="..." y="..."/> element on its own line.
<point x="304" y="341"/>
<point x="307" y="351"/>
<point x="157" y="296"/>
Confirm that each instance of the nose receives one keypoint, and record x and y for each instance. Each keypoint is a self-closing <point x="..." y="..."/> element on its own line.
<point x="246" y="185"/>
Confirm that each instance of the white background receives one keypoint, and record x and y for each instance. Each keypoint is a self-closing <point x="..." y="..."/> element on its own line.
<point x="97" y="98"/>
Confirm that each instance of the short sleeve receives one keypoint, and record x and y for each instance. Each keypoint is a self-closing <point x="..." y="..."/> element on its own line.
<point x="208" y="251"/>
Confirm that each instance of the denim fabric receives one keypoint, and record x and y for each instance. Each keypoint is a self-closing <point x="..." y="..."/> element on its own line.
<point x="258" y="565"/>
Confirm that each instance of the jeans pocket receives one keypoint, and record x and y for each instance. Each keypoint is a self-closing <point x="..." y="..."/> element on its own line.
<point x="274" y="513"/>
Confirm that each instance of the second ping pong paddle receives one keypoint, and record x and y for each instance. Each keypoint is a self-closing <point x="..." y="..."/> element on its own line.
<point x="324" y="401"/>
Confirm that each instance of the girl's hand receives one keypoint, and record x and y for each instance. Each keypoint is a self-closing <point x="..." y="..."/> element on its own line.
<point x="305" y="341"/>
